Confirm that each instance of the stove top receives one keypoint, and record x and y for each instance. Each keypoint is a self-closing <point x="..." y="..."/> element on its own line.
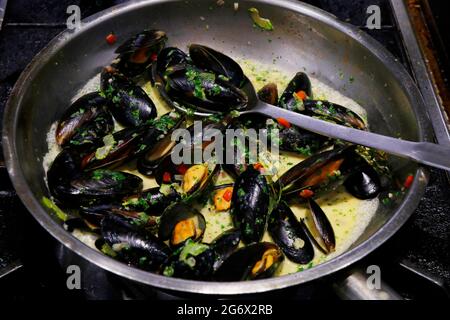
<point x="416" y="261"/>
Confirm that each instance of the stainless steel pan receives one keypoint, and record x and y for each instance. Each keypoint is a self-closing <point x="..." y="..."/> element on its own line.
<point x="304" y="37"/>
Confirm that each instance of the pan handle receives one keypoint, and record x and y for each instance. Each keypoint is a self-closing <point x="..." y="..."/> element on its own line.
<point x="354" y="286"/>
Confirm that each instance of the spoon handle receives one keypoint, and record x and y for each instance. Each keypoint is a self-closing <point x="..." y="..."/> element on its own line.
<point x="423" y="152"/>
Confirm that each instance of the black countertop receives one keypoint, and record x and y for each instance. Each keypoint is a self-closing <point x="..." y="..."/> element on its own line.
<point x="29" y="24"/>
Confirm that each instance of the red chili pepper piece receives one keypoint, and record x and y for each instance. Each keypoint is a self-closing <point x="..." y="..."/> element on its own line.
<point x="111" y="38"/>
<point x="284" y="122"/>
<point x="166" y="177"/>
<point x="227" y="195"/>
<point x="306" y="193"/>
<point x="408" y="181"/>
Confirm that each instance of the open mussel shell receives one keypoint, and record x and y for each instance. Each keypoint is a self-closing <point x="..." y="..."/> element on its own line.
<point x="250" y="204"/>
<point x="313" y="171"/>
<point x="255" y="261"/>
<point x="131" y="245"/>
<point x="151" y="201"/>
<point x="289" y="99"/>
<point x="140" y="51"/>
<point x="194" y="179"/>
<point x="290" y="235"/>
<point x="168" y="57"/>
<point x="326" y="240"/>
<point x="202" y="90"/>
<point x="161" y="147"/>
<point x="86" y="121"/>
<point x="129" y="103"/>
<point x="209" y="59"/>
<point x="98" y="186"/>
<point x="180" y="222"/>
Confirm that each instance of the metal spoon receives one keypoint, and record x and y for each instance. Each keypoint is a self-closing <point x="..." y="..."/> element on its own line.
<point x="422" y="152"/>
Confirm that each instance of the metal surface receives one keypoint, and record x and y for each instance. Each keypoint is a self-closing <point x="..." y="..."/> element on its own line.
<point x="354" y="287"/>
<point x="304" y="36"/>
<point x="423" y="79"/>
<point x="3" y="4"/>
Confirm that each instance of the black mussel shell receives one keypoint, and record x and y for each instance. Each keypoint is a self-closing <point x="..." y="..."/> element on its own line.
<point x="202" y="90"/>
<point x="289" y="99"/>
<point x="250" y="204"/>
<point x="209" y="59"/>
<point x="313" y="171"/>
<point x="169" y="57"/>
<point x="137" y="247"/>
<point x="333" y="112"/>
<point x="151" y="201"/>
<point x="65" y="167"/>
<point x="327" y="241"/>
<point x="269" y="94"/>
<point x="181" y="217"/>
<point x="129" y="103"/>
<point x="364" y="183"/>
<point x="140" y="51"/>
<point x="249" y="263"/>
<point x="128" y="143"/>
<point x="157" y="151"/>
<point x="302" y="141"/>
<point x="98" y="186"/>
<point x="192" y="261"/>
<point x="85" y="122"/>
<point x="289" y="234"/>
<point x="93" y="214"/>
<point x="224" y="245"/>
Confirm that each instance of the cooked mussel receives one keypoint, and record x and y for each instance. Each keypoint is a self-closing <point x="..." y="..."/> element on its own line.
<point x="250" y="204"/>
<point x="151" y="201"/>
<point x="202" y="90"/>
<point x="209" y="59"/>
<point x="86" y="121"/>
<point x="129" y="103"/>
<point x="129" y="143"/>
<point x="297" y="90"/>
<point x="138" y="52"/>
<point x="333" y="112"/>
<point x="255" y="261"/>
<point x="131" y="245"/>
<point x="290" y="235"/>
<point x="168" y="57"/>
<point x="180" y="222"/>
<point x="199" y="260"/>
<point x="98" y="186"/>
<point x="326" y="240"/>
<point x="269" y="94"/>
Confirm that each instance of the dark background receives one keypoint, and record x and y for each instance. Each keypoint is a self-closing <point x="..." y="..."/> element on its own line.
<point x="423" y="242"/>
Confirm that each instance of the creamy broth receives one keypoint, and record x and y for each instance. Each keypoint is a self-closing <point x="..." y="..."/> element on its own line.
<point x="349" y="216"/>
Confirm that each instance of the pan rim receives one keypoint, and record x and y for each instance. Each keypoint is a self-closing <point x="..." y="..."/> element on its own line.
<point x="14" y="106"/>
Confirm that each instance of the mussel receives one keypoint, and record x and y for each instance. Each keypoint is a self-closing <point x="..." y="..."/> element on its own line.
<point x="290" y="234"/>
<point x="131" y="245"/>
<point x="202" y="90"/>
<point x="86" y="121"/>
<point x="255" y="261"/>
<point x="129" y="143"/>
<point x="209" y="59"/>
<point x="250" y="204"/>
<point x="326" y="240"/>
<point x="151" y="201"/>
<point x="199" y="260"/>
<point x="180" y="222"/>
<point x="98" y="186"/>
<point x="138" y="52"/>
<point x="297" y="90"/>
<point x="168" y="57"/>
<point x="292" y="138"/>
<point x="129" y="103"/>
